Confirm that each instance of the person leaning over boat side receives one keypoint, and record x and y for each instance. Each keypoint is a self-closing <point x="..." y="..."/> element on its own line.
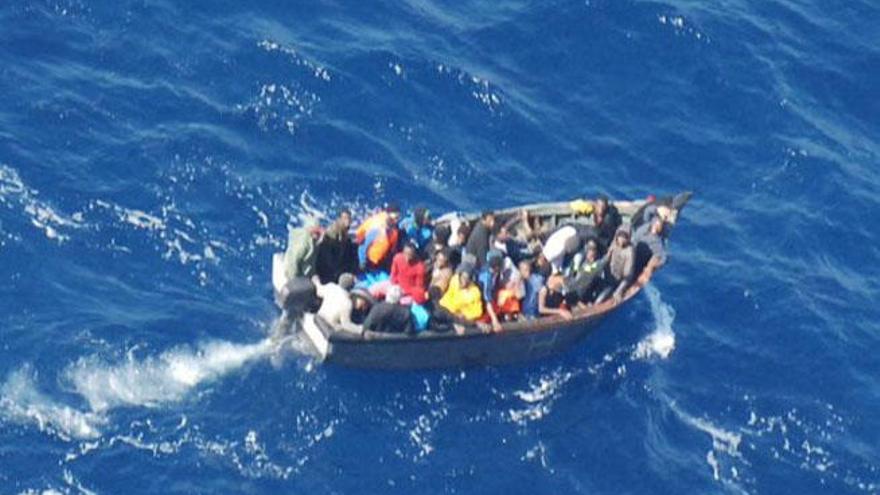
<point x="389" y="316"/>
<point x="336" y="303"/>
<point x="462" y="302"/>
<point x="299" y="258"/>
<point x="417" y="229"/>
<point x="478" y="242"/>
<point x="650" y="245"/>
<point x="532" y="284"/>
<point x="378" y="237"/>
<point x="558" y="245"/>
<point x="408" y="273"/>
<point x="621" y="263"/>
<point x="336" y="253"/>
<point x="489" y="280"/>
<point x="442" y="271"/>
<point x="606" y="221"/>
<point x="551" y="299"/>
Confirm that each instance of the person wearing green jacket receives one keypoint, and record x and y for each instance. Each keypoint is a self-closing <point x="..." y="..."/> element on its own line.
<point x="299" y="259"/>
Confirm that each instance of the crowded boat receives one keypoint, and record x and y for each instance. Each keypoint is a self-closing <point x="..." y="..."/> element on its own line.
<point x="402" y="272"/>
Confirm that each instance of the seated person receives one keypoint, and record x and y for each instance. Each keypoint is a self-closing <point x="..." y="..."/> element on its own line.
<point x="438" y="243"/>
<point x="389" y="315"/>
<point x="417" y="229"/>
<point x="462" y="302"/>
<point x="489" y="279"/>
<point x="583" y="286"/>
<point x="377" y="237"/>
<point x="551" y="299"/>
<point x="362" y="302"/>
<point x="408" y="273"/>
<point x="511" y="292"/>
<point x="620" y="263"/>
<point x="532" y="284"/>
<point x="336" y="303"/>
<point x="442" y="270"/>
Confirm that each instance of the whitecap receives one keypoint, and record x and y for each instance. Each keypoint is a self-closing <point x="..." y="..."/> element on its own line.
<point x="660" y="342"/>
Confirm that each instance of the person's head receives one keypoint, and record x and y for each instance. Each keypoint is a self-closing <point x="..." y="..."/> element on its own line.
<point x="361" y="299"/>
<point x="657" y="226"/>
<point x="621" y="237"/>
<point x="494" y="260"/>
<point x="442" y="234"/>
<point x="541" y="261"/>
<point x="409" y="252"/>
<point x="488" y="219"/>
<point x="422" y="216"/>
<point x="592" y="251"/>
<point x="441" y="258"/>
<point x="503" y="234"/>
<point x="346" y="281"/>
<point x="555" y="283"/>
<point x="525" y="269"/>
<point x="393" y="216"/>
<point x="601" y="206"/>
<point x="344" y="219"/>
<point x="435" y="293"/>
<point x="463" y="232"/>
<point x="464" y="278"/>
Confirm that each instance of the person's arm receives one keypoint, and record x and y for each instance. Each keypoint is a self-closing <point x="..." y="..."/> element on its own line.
<point x="419" y="295"/>
<point x="395" y="271"/>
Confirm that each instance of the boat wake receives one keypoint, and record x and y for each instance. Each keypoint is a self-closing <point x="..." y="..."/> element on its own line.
<point x="148" y="382"/>
<point x="661" y="342"/>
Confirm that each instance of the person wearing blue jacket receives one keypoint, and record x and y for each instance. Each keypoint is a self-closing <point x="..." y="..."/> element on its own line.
<point x="417" y="229"/>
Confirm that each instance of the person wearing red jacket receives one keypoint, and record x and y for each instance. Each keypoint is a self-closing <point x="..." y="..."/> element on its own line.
<point x="408" y="272"/>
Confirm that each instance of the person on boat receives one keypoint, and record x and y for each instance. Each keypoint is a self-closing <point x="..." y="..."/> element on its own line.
<point x="489" y="280"/>
<point x="650" y="245"/>
<point x="336" y="253"/>
<point x="362" y="302"/>
<point x="417" y="228"/>
<point x="389" y="315"/>
<point x="561" y="244"/>
<point x="463" y="301"/>
<point x="511" y="292"/>
<point x="532" y="284"/>
<point x="457" y="243"/>
<point x="513" y="248"/>
<point x="439" y="240"/>
<point x="551" y="299"/>
<point x="621" y="263"/>
<point x="299" y="258"/>
<point x="378" y="237"/>
<point x="408" y="273"/>
<point x="582" y="287"/>
<point x="336" y="303"/>
<point x="478" y="242"/>
<point x="442" y="272"/>
<point x="606" y="221"/>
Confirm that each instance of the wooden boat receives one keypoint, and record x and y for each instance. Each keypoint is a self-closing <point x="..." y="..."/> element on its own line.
<point x="517" y="342"/>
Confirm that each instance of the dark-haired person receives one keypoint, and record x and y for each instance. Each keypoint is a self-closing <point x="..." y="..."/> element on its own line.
<point x="408" y="273"/>
<point x="620" y="263"/>
<point x="462" y="302"/>
<point x="336" y="254"/>
<point x="532" y="284"/>
<point x="489" y="279"/>
<point x="551" y="299"/>
<point x="441" y="271"/>
<point x="650" y="245"/>
<point x="378" y="237"/>
<point x="479" y="241"/>
<point x="389" y="316"/>
<point x="417" y="228"/>
<point x="606" y="221"/>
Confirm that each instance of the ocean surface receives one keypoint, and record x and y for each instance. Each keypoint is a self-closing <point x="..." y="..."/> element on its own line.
<point x="153" y="153"/>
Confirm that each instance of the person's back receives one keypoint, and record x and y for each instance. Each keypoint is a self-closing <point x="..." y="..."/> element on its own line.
<point x="389" y="318"/>
<point x="299" y="257"/>
<point x="336" y="304"/>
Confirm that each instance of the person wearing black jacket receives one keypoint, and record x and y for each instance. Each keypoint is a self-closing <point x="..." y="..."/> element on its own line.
<point x="337" y="254"/>
<point x="478" y="243"/>
<point x="390" y="316"/>
<point x="606" y="220"/>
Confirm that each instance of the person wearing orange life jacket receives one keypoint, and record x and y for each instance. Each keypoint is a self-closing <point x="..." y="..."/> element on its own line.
<point x="378" y="237"/>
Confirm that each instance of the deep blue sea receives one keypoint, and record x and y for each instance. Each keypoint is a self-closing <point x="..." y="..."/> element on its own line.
<point x="153" y="153"/>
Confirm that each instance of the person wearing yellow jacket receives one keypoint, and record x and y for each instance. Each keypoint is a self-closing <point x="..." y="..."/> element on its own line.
<point x="463" y="299"/>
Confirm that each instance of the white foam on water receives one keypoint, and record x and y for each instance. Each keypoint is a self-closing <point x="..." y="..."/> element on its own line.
<point x="156" y="380"/>
<point x="660" y="342"/>
<point x="22" y="402"/>
<point x="15" y="193"/>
